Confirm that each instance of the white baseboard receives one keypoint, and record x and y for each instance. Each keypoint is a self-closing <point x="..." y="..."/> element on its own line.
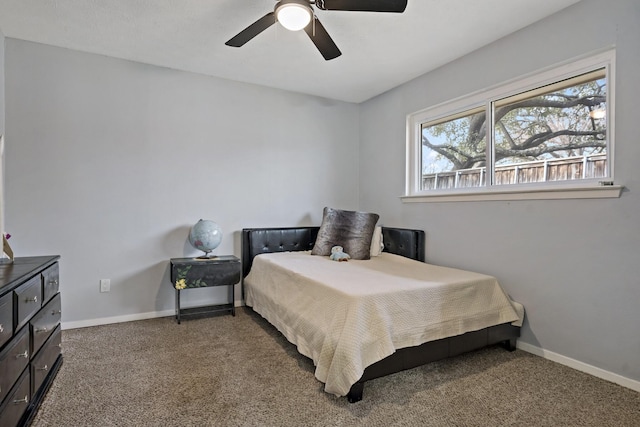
<point x="120" y="319"/>
<point x="116" y="319"/>
<point x="580" y="366"/>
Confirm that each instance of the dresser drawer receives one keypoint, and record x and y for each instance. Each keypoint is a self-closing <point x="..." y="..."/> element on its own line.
<point x="6" y="318"/>
<point x="13" y="359"/>
<point x="50" y="282"/>
<point x="43" y="323"/>
<point x="45" y="359"/>
<point x="28" y="300"/>
<point x="16" y="403"/>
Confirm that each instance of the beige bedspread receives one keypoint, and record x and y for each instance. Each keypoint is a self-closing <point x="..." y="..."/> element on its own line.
<point x="346" y="316"/>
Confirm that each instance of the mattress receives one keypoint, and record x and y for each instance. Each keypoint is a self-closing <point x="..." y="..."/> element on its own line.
<point x="346" y="316"/>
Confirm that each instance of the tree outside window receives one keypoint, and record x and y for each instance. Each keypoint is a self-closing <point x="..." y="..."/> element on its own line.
<point x="555" y="132"/>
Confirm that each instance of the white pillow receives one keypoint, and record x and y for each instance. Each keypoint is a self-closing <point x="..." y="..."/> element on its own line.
<point x="376" y="241"/>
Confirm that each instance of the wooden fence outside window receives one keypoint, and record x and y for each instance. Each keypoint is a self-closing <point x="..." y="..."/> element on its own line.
<point x="566" y="169"/>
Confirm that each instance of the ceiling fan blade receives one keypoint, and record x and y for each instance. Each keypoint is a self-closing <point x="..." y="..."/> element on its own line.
<point x="397" y="6"/>
<point x="252" y="30"/>
<point x="322" y="39"/>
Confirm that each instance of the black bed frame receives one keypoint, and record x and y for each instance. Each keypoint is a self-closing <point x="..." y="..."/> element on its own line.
<point x="400" y="241"/>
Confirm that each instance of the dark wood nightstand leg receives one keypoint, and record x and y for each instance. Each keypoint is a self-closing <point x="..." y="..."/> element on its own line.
<point x="231" y="296"/>
<point x="178" y="306"/>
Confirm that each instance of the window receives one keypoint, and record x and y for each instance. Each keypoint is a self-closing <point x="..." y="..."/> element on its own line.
<point x="538" y="134"/>
<point x="454" y="151"/>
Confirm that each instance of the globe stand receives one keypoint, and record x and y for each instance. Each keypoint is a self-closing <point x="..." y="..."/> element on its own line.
<point x="206" y="256"/>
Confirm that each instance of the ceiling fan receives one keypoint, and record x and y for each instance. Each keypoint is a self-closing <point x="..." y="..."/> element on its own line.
<point x="295" y="15"/>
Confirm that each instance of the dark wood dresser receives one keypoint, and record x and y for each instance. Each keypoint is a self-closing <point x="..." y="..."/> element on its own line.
<point x="30" y="351"/>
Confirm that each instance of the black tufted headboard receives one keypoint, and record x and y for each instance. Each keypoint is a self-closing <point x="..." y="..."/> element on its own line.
<point x="255" y="241"/>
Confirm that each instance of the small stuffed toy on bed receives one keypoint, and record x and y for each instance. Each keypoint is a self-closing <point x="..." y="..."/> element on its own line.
<point x="337" y="254"/>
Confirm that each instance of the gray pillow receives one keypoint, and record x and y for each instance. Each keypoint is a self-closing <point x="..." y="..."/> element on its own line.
<point x="351" y="230"/>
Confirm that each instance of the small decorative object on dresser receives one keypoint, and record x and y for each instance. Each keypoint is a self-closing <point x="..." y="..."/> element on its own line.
<point x="205" y="235"/>
<point x="6" y="248"/>
<point x="189" y="273"/>
<point x="30" y="337"/>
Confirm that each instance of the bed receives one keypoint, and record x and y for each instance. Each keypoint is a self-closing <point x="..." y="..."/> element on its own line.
<point x="280" y="286"/>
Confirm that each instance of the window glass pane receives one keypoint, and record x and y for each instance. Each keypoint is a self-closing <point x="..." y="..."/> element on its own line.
<point x="454" y="151"/>
<point x="555" y="133"/>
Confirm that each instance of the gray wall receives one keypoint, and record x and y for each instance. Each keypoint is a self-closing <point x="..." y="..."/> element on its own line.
<point x="574" y="264"/>
<point x="2" y="120"/>
<point x="110" y="162"/>
<point x="1" y="83"/>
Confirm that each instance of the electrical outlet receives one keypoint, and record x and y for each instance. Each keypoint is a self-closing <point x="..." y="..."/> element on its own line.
<point x="105" y="285"/>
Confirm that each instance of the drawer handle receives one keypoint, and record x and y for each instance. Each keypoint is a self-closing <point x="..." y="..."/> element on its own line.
<point x="23" y="400"/>
<point x="41" y="330"/>
<point x="25" y="354"/>
<point x="34" y="299"/>
<point x="44" y="368"/>
<point x="1" y="328"/>
<point x="53" y="282"/>
<point x="54" y="312"/>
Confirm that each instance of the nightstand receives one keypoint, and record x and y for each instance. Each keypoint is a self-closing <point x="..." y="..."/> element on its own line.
<point x="190" y="273"/>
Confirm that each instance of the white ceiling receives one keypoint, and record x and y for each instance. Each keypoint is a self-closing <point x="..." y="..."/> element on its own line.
<point x="379" y="50"/>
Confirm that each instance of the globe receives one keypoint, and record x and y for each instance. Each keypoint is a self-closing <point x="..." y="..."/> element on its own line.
<point x="205" y="235"/>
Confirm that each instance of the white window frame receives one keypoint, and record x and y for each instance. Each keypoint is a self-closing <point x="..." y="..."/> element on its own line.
<point x="588" y="188"/>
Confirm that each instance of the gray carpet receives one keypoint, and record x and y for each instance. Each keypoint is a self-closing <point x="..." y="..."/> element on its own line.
<point x="239" y="371"/>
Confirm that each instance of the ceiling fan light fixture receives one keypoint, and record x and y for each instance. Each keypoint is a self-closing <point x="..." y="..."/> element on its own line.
<point x="293" y="15"/>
